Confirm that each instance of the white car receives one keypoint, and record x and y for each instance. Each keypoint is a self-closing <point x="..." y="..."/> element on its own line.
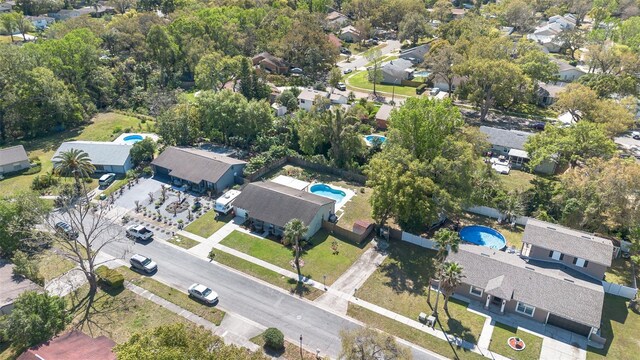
<point x="635" y="135"/>
<point x="341" y="86"/>
<point x="203" y="293"/>
<point x="347" y="71"/>
<point x="139" y="232"/>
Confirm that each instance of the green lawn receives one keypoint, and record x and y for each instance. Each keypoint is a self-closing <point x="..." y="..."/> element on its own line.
<point x="513" y="235"/>
<point x="267" y="275"/>
<point x="620" y="326"/>
<point x="360" y="80"/>
<point x="358" y="208"/>
<point x="400" y="284"/>
<point x="517" y="180"/>
<point x="620" y="272"/>
<point x="183" y="241"/>
<point x="52" y="265"/>
<point x="175" y="296"/>
<point x="501" y="332"/>
<point x="206" y="225"/>
<point x="318" y="256"/>
<point x="408" y="333"/>
<point x="103" y="127"/>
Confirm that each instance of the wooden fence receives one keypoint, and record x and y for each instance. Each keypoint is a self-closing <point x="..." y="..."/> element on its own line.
<point x="346" y="234"/>
<point x="298" y="161"/>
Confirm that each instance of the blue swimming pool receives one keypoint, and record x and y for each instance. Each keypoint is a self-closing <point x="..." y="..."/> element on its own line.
<point x="132" y="139"/>
<point x="421" y="73"/>
<point x="327" y="191"/>
<point x="369" y="139"/>
<point x="484" y="236"/>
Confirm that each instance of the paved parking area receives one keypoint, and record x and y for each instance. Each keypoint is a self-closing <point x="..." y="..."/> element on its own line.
<point x="139" y="192"/>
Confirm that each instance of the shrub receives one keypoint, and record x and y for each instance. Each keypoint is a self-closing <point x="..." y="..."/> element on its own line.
<point x="273" y="338"/>
<point x="26" y="267"/>
<point x="33" y="169"/>
<point x="117" y="130"/>
<point x="41" y="182"/>
<point x="147" y="171"/>
<point x="109" y="277"/>
<point x="420" y="89"/>
<point x="34" y="160"/>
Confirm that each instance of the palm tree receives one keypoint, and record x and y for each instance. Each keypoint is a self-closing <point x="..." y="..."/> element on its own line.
<point x="450" y="277"/>
<point x="294" y="230"/>
<point x="447" y="240"/>
<point x="73" y="162"/>
<point x="511" y="205"/>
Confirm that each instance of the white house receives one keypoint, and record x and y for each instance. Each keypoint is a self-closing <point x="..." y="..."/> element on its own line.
<point x="308" y="98"/>
<point x="336" y="20"/>
<point x="40" y="22"/>
<point x="349" y="34"/>
<point x="395" y="71"/>
<point x="105" y="156"/>
<point x="566" y="71"/>
<point x="13" y="159"/>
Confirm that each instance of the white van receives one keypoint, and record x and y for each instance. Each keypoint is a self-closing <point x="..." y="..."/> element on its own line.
<point x="106" y="179"/>
<point x="224" y="203"/>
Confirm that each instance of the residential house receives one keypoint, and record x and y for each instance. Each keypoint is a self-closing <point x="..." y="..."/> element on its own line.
<point x="66" y="14"/>
<point x="510" y="144"/>
<point x="440" y="82"/>
<point x="350" y="34"/>
<point x="309" y="97"/>
<point x="74" y="345"/>
<point x="335" y="20"/>
<point x="547" y="93"/>
<point x="7" y="6"/>
<point x="542" y="291"/>
<point x="566" y="71"/>
<point x="395" y="71"/>
<point x="576" y="250"/>
<point x="12" y="287"/>
<point x="546" y="34"/>
<point x="458" y="13"/>
<point x="40" y="22"/>
<point x="415" y="54"/>
<point x="382" y="116"/>
<point x="270" y="206"/>
<point x="107" y="157"/>
<point x="270" y="63"/>
<point x="506" y="30"/>
<point x="200" y="170"/>
<point x="13" y="159"/>
<point x="338" y="99"/>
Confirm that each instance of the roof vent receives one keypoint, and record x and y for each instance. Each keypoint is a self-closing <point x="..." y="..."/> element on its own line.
<point x="483" y="254"/>
<point x="569" y="280"/>
<point x="529" y="268"/>
<point x="587" y="237"/>
<point x="551" y="228"/>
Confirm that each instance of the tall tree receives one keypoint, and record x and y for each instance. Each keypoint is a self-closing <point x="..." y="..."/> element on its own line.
<point x="447" y="240"/>
<point x="8" y="22"/>
<point x="180" y="125"/>
<point x="451" y="277"/>
<point x="74" y="162"/>
<point x="413" y="27"/>
<point x="442" y="58"/>
<point x="19" y="216"/>
<point x="365" y="343"/>
<point x="294" y="231"/>
<point x="164" y="51"/>
<point x="374" y="72"/>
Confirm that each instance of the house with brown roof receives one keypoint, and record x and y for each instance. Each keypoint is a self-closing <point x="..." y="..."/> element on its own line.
<point x="13" y="159"/>
<point x="200" y="170"/>
<point x="382" y="116"/>
<point x="268" y="206"/>
<point x="74" y="345"/>
<point x="349" y="34"/>
<point x="270" y="63"/>
<point x="335" y="20"/>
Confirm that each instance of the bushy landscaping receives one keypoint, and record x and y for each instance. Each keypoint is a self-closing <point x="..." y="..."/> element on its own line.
<point x="400" y="284"/>
<point x="318" y="255"/>
<point x="501" y="333"/>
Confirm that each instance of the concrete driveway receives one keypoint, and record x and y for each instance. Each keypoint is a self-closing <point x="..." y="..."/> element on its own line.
<point x="139" y="192"/>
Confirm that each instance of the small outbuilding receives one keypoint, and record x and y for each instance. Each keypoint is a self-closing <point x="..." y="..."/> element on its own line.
<point x="13" y="159"/>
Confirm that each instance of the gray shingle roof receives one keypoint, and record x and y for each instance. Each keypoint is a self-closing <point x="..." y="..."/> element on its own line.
<point x="396" y="67"/>
<point x="277" y="204"/>
<point x="510" y="277"/>
<point x="12" y="155"/>
<point x="11" y="286"/>
<point x="384" y="112"/>
<point x="100" y="153"/>
<point x="195" y="165"/>
<point x="568" y="241"/>
<point x="512" y="139"/>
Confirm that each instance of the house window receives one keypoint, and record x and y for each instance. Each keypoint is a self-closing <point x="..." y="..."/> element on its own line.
<point x="580" y="262"/>
<point x="475" y="291"/>
<point x="556" y="255"/>
<point x="525" y="309"/>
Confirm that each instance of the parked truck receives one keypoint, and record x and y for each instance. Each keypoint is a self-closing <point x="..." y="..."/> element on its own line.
<point x="139" y="232"/>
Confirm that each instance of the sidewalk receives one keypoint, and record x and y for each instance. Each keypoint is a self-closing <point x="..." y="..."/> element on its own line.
<point x="66" y="283"/>
<point x="217" y="330"/>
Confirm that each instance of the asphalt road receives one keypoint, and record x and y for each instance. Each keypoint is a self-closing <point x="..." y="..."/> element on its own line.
<point x="361" y="61"/>
<point x="246" y="297"/>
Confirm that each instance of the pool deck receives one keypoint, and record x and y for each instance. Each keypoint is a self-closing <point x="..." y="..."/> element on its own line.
<point x="120" y="139"/>
<point x="368" y="142"/>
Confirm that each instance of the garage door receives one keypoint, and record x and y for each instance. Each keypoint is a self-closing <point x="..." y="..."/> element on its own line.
<point x="569" y="325"/>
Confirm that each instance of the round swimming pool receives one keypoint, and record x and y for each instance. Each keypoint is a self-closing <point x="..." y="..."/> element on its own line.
<point x="327" y="191"/>
<point x="484" y="236"/>
<point x="132" y="139"/>
<point x="369" y="139"/>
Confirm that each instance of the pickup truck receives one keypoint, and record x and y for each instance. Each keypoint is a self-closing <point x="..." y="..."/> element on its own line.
<point x="139" y="232"/>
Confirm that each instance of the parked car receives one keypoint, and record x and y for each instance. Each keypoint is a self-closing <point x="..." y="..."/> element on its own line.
<point x="434" y="91"/>
<point x="347" y="71"/>
<point x="341" y="86"/>
<point x="635" y="135"/>
<point x="143" y="263"/>
<point x="139" y="232"/>
<point x="66" y="230"/>
<point x="296" y="70"/>
<point x="106" y="179"/>
<point x="203" y="293"/>
<point x="345" y="51"/>
<point x="537" y="125"/>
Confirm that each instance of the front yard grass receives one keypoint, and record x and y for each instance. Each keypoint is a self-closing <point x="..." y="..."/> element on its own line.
<point x="103" y="127"/>
<point x="517" y="180"/>
<point x="409" y="333"/>
<point x="401" y="282"/>
<point x="620" y="326"/>
<point x="318" y="256"/>
<point x="52" y="265"/>
<point x="183" y="241"/>
<point x="620" y="272"/>
<point x="513" y="235"/>
<point x="177" y="297"/>
<point x="206" y="225"/>
<point x="267" y="275"/>
<point x="502" y="332"/>
<point x="360" y="81"/>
